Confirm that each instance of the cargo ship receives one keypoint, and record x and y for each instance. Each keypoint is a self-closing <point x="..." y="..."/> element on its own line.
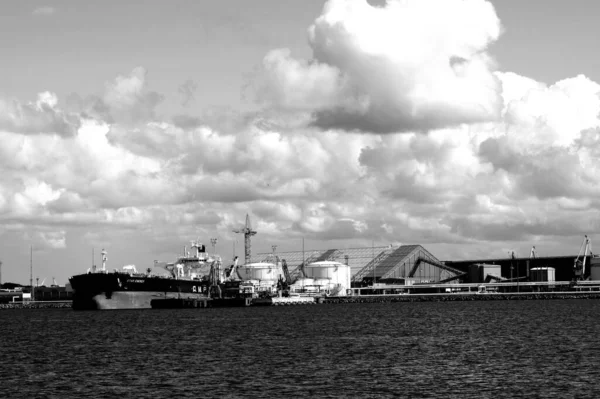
<point x="188" y="277"/>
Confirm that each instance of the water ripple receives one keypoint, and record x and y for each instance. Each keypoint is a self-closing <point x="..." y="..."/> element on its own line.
<point x="436" y="350"/>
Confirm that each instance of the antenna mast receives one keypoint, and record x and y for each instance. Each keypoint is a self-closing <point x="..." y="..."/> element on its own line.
<point x="247" y="232"/>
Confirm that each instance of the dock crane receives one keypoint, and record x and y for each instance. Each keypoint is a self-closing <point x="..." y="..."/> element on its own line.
<point x="248" y="233"/>
<point x="286" y="272"/>
<point x="232" y="273"/>
<point x="579" y="265"/>
<point x="214" y="279"/>
<point x="285" y="281"/>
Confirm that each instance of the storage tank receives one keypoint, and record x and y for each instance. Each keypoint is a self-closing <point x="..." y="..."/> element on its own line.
<point x="543" y="274"/>
<point x="332" y="277"/>
<point x="306" y="285"/>
<point x="303" y="282"/>
<point x="261" y="271"/>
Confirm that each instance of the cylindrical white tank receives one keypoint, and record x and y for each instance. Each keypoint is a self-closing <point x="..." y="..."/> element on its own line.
<point x="304" y="285"/>
<point x="305" y="282"/>
<point x="323" y="283"/>
<point x="262" y="271"/>
<point x="333" y="277"/>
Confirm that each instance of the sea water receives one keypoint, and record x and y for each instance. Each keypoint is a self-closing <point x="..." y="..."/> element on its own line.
<point x="495" y="349"/>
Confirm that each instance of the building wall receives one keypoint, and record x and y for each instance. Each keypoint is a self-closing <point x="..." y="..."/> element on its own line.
<point x="520" y="267"/>
<point x="53" y="293"/>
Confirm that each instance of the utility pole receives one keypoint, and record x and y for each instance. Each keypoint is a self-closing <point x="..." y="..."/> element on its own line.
<point x="31" y="272"/>
<point x="0" y="274"/>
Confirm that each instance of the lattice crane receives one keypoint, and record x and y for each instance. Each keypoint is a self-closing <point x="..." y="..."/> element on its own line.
<point x="579" y="266"/>
<point x="247" y="232"/>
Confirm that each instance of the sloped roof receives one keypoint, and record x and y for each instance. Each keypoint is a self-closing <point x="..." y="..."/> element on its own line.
<point x="379" y="262"/>
<point x="357" y="257"/>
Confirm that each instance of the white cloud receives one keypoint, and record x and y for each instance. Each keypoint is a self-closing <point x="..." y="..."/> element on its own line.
<point x="126" y="100"/>
<point x="44" y="10"/>
<point x="113" y="173"/>
<point x="55" y="240"/>
<point x="41" y="116"/>
<point x="410" y="65"/>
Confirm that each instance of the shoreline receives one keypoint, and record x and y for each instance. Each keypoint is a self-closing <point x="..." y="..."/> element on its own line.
<point x="458" y="297"/>
<point x="454" y="297"/>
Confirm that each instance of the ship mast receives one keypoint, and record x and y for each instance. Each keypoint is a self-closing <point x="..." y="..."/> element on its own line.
<point x="247" y="232"/>
<point x="104" y="258"/>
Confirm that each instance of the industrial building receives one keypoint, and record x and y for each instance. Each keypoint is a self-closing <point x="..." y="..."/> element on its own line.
<point x="40" y="293"/>
<point x="413" y="264"/>
<point x="389" y="264"/>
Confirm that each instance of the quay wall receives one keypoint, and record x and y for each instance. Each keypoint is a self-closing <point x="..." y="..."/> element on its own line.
<point x="37" y="305"/>
<point x="461" y="297"/>
<point x="509" y="296"/>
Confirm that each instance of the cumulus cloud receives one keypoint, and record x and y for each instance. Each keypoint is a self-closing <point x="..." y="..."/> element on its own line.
<point x="548" y="144"/>
<point x="126" y="100"/>
<point x="44" y="11"/>
<point x="41" y="116"/>
<point x="407" y="66"/>
<point x="112" y="172"/>
<point x="44" y="240"/>
<point x="54" y="239"/>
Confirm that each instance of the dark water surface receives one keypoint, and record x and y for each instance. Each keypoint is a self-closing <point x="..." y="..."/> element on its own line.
<point x="496" y="349"/>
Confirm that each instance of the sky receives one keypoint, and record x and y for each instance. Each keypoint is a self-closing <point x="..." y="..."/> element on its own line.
<point x="470" y="127"/>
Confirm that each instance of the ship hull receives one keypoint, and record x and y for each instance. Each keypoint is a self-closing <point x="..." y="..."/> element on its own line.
<point x="128" y="300"/>
<point x="111" y="291"/>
